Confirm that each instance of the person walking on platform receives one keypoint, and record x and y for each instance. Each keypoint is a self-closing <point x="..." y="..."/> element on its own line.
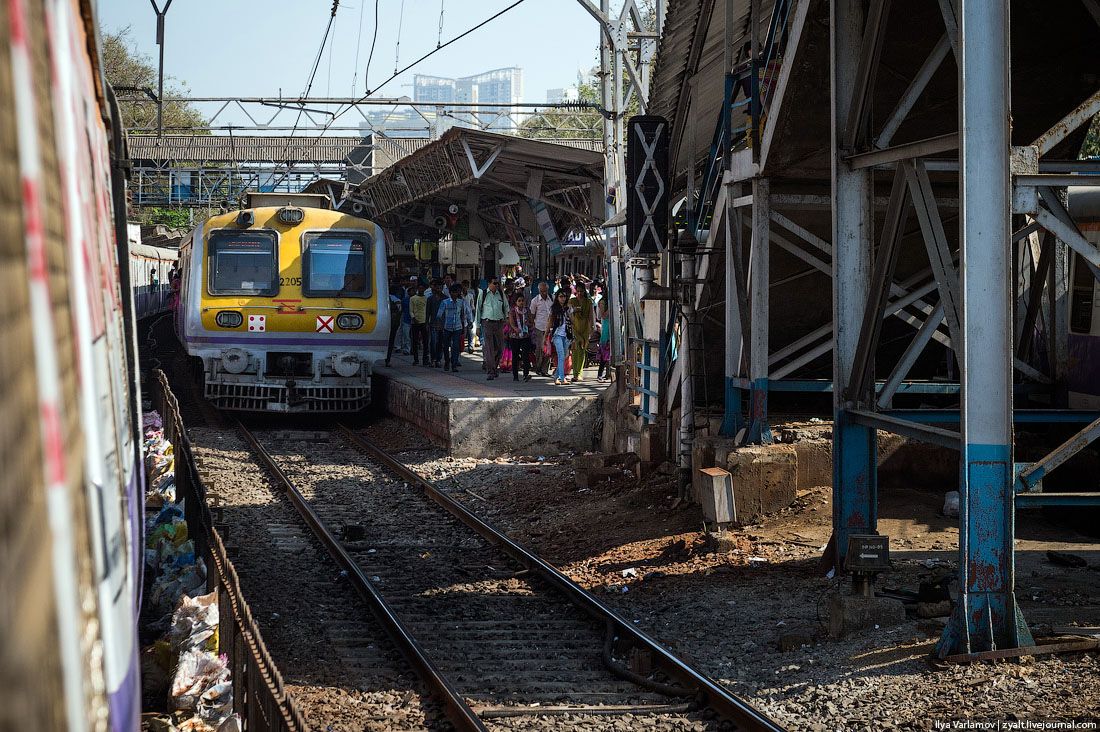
<point x="492" y="313"/>
<point x="404" y="337"/>
<point x="519" y="340"/>
<point x="395" y="318"/>
<point x="559" y="333"/>
<point x="435" y="325"/>
<point x="470" y="299"/>
<point x="540" y="311"/>
<point x="583" y="315"/>
<point x="603" y="373"/>
<point x="418" y="312"/>
<point x="452" y="315"/>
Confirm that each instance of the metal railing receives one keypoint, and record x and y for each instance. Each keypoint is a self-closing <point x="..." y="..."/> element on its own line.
<point x="259" y="696"/>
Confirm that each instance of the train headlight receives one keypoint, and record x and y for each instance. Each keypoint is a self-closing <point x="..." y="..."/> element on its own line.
<point x="349" y="321"/>
<point x="346" y="364"/>
<point x="229" y="319"/>
<point x="291" y="215"/>
<point x="234" y="360"/>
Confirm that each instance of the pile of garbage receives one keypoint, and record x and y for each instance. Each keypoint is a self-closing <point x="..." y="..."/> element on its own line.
<point x="183" y="663"/>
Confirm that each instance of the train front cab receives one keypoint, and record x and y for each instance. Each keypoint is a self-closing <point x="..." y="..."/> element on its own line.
<point x="281" y="304"/>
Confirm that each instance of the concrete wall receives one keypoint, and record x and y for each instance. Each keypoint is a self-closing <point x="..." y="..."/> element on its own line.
<point x="767" y="478"/>
<point x="539" y="426"/>
<point x="492" y="427"/>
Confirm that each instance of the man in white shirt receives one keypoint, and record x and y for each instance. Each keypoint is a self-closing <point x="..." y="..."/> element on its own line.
<point x="491" y="311"/>
<point x="540" y="309"/>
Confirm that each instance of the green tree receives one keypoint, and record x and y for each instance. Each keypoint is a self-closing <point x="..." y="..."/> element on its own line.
<point x="1091" y="146"/>
<point x="128" y="70"/>
<point x="173" y="218"/>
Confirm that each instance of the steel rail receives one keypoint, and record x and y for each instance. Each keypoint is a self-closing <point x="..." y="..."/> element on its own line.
<point x="714" y="695"/>
<point x="458" y="711"/>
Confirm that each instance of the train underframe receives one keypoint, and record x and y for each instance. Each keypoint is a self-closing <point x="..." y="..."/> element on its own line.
<point x="288" y="382"/>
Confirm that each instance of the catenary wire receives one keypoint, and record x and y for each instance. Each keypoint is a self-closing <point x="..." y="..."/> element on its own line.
<point x="368" y="92"/>
<point x="358" y="43"/>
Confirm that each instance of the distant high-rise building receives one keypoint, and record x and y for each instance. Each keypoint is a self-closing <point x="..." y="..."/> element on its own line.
<point x="433" y="88"/>
<point x="499" y="86"/>
<point x="562" y="95"/>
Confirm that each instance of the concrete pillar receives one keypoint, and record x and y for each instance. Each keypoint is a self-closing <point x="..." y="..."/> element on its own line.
<point x="760" y="265"/>
<point x="986" y="617"/>
<point x="855" y="476"/>
<point x="731" y="418"/>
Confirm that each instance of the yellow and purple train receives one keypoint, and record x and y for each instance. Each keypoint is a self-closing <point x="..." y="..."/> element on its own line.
<point x="286" y="305"/>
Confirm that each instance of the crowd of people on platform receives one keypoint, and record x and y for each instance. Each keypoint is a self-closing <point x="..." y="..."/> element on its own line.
<point x="518" y="327"/>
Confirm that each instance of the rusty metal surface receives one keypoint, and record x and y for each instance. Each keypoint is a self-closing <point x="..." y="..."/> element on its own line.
<point x="1042" y="648"/>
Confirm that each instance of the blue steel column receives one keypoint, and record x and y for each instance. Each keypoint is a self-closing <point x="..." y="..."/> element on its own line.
<point x="855" y="447"/>
<point x="986" y="617"/>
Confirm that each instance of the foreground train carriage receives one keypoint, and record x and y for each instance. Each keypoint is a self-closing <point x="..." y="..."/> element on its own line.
<point x="286" y="306"/>
<point x="70" y="538"/>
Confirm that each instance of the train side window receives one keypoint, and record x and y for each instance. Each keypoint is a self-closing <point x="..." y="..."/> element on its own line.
<point x="243" y="263"/>
<point x="1082" y="297"/>
<point x="336" y="264"/>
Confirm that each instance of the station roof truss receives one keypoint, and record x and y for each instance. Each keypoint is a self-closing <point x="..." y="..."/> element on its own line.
<point x="495" y="180"/>
<point x="580" y="122"/>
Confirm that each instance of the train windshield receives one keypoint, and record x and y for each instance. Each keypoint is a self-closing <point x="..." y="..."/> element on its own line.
<point x="243" y="263"/>
<point x="336" y="265"/>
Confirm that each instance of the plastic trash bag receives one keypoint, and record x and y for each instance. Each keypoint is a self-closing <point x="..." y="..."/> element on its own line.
<point x="216" y="704"/>
<point x="951" y="504"/>
<point x="196" y="672"/>
<point x="195" y="623"/>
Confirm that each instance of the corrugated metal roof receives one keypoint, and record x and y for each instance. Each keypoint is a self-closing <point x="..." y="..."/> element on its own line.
<point x="688" y="78"/>
<point x="264" y="148"/>
<point x="243" y="149"/>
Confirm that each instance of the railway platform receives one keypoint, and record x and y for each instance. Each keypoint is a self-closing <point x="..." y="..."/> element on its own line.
<point x="475" y="417"/>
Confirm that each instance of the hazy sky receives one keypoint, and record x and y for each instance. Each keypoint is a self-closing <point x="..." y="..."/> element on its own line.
<point x="257" y="47"/>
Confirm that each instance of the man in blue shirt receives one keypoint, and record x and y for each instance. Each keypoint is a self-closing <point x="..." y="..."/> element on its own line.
<point x="435" y="325"/>
<point x="395" y="318"/>
<point x="404" y="336"/>
<point x="452" y="316"/>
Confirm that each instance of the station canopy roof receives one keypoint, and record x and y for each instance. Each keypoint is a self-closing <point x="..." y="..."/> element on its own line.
<point x="487" y="187"/>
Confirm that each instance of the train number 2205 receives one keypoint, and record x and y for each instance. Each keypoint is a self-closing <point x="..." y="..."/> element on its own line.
<point x="295" y="281"/>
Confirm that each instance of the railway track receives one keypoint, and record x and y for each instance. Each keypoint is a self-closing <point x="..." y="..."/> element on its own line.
<point x="499" y="637"/>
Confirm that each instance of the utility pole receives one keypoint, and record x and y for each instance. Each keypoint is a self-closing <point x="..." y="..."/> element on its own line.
<point x="160" y="73"/>
<point x="617" y="50"/>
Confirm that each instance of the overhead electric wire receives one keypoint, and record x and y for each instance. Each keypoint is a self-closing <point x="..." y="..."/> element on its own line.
<point x="373" y="42"/>
<point x="397" y="46"/>
<point x="312" y="77"/>
<point x="441" y="47"/>
<point x="358" y="42"/>
<point x="370" y="55"/>
<point x="439" y="37"/>
<point x="398" y="72"/>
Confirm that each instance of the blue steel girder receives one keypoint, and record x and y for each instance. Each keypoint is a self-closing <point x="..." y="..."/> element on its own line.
<point x="855" y="482"/>
<point x="986" y="616"/>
